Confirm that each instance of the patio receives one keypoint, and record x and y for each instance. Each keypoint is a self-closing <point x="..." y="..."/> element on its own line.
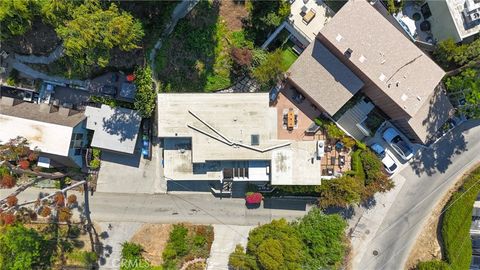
<point x="412" y="19"/>
<point x="309" y="16"/>
<point x="335" y="160"/>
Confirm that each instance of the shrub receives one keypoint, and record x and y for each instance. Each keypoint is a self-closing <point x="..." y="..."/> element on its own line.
<point x="64" y="214"/>
<point x="8" y="181"/>
<point x="4" y="171"/>
<point x="96" y="152"/>
<point x="146" y="95"/>
<point x="334" y="131"/>
<point x="239" y="260"/>
<point x="177" y="244"/>
<point x="59" y="199"/>
<point x="71" y="199"/>
<point x="46" y="211"/>
<point x="7" y="218"/>
<point x="254" y="198"/>
<point x="94" y="163"/>
<point x="24" y="164"/>
<point x="242" y="56"/>
<point x="340" y="192"/>
<point x="132" y="254"/>
<point x="433" y="265"/>
<point x="372" y="166"/>
<point x="12" y="201"/>
<point x="357" y="166"/>
<point x="33" y="156"/>
<point x="348" y="141"/>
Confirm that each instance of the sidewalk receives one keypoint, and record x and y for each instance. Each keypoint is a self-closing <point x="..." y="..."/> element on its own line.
<point x="226" y="238"/>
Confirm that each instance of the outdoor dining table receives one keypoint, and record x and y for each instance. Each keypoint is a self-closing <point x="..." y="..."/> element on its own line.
<point x="309" y="16"/>
<point x="291" y="119"/>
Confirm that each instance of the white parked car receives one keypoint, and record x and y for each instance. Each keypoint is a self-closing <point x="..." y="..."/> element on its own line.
<point x="387" y="159"/>
<point x="393" y="138"/>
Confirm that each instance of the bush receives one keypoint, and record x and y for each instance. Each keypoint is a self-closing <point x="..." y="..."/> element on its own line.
<point x="24" y="164"/>
<point x="340" y="192"/>
<point x="433" y="265"/>
<point x="12" y="201"/>
<point x="72" y="199"/>
<point x="96" y="153"/>
<point x="132" y="256"/>
<point x="239" y="260"/>
<point x="64" y="214"/>
<point x="357" y="166"/>
<point x="8" y="181"/>
<point x="146" y="94"/>
<point x="59" y="199"/>
<point x="254" y="198"/>
<point x="46" y="211"/>
<point x="177" y="243"/>
<point x="334" y="131"/>
<point x="94" y="164"/>
<point x="4" y="171"/>
<point x="372" y="166"/>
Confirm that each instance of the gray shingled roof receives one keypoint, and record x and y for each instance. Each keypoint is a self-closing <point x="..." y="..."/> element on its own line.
<point x="324" y="78"/>
<point x="382" y="53"/>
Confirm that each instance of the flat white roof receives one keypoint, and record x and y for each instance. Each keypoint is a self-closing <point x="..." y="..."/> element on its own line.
<point x="47" y="137"/>
<point x="115" y="129"/>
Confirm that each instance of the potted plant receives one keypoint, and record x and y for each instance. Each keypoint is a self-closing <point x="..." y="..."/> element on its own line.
<point x="253" y="199"/>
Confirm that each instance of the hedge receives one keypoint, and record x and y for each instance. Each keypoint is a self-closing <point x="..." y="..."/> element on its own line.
<point x="456" y="223"/>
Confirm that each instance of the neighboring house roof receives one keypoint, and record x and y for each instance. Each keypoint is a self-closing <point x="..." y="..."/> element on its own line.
<point x="324" y="78"/>
<point x="381" y="52"/>
<point x="115" y="129"/>
<point x="49" y="131"/>
<point x="448" y="19"/>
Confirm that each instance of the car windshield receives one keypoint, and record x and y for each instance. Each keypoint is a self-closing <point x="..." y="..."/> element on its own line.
<point x="401" y="145"/>
<point x="393" y="167"/>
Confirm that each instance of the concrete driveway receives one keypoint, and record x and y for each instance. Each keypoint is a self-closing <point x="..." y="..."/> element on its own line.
<point x="120" y="173"/>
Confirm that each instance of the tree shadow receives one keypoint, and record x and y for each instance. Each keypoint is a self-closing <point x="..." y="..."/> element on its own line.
<point x="438" y="156"/>
<point x="345" y="212"/>
<point x="124" y="123"/>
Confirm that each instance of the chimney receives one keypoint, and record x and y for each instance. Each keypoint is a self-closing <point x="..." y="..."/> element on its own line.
<point x="64" y="111"/>
<point x="348" y="53"/>
<point x="7" y="101"/>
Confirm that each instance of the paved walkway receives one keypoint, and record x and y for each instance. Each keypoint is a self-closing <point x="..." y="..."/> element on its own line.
<point x="33" y="59"/>
<point x="226" y="238"/>
<point x="30" y="72"/>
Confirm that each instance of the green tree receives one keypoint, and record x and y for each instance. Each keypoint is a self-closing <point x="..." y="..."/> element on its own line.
<point x="264" y="17"/>
<point x="55" y="12"/>
<point x="92" y="32"/>
<point x="324" y="236"/>
<point x="340" y="192"/>
<point x="23" y="248"/>
<point x="276" y="243"/>
<point x="15" y="17"/>
<point x="269" y="71"/>
<point x="146" y="95"/>
<point x="467" y="82"/>
<point x="445" y="52"/>
<point x="239" y="260"/>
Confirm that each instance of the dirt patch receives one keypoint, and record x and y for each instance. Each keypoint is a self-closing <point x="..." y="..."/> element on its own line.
<point x="233" y="12"/>
<point x="428" y="245"/>
<point x="153" y="238"/>
<point x="41" y="39"/>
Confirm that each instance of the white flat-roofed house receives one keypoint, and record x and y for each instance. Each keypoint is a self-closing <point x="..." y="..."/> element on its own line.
<point x="230" y="137"/>
<point x="58" y="133"/>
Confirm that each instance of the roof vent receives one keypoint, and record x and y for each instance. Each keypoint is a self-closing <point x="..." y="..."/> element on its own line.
<point x="255" y="139"/>
<point x="404" y="97"/>
<point x="419" y="98"/>
<point x="382" y="77"/>
<point x="362" y="58"/>
<point x="348" y="53"/>
<point x="339" y="37"/>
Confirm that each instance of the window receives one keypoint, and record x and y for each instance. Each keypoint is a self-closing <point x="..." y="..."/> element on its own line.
<point x="77" y="143"/>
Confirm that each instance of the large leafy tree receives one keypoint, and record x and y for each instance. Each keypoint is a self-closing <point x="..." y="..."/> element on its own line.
<point x="276" y="245"/>
<point x="56" y="12"/>
<point x="467" y="82"/>
<point x="340" y="192"/>
<point x="269" y="70"/>
<point x="23" y="249"/>
<point x="264" y="17"/>
<point x="93" y="31"/>
<point x="146" y="95"/>
<point x="324" y="236"/>
<point x="15" y="17"/>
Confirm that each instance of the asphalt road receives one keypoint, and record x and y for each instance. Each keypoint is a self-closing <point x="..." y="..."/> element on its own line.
<point x="433" y="172"/>
<point x="172" y="208"/>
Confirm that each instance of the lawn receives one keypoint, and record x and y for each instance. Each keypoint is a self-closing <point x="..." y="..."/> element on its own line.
<point x="196" y="57"/>
<point x="289" y="56"/>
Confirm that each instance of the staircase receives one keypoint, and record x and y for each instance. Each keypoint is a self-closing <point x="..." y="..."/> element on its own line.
<point x="349" y="120"/>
